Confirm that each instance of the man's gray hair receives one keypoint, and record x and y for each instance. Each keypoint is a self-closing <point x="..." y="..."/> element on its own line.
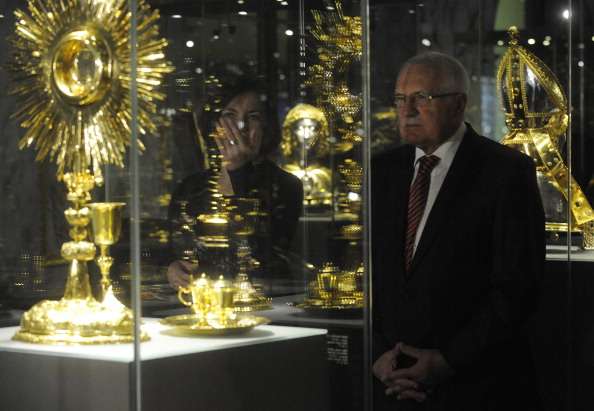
<point x="451" y="70"/>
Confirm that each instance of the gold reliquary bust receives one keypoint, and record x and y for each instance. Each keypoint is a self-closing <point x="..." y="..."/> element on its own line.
<point x="535" y="107"/>
<point x="305" y="144"/>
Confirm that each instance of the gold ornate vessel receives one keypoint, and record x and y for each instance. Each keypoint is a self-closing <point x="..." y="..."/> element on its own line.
<point x="535" y="107"/>
<point x="334" y="290"/>
<point x="73" y="63"/>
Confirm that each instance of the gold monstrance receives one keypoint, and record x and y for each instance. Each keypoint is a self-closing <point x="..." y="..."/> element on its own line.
<point x="73" y="63"/>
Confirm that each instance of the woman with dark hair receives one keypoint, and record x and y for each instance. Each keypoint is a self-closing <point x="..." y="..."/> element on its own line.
<point x="244" y="126"/>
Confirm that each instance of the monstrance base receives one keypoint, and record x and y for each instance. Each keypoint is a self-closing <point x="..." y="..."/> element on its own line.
<point x="76" y="321"/>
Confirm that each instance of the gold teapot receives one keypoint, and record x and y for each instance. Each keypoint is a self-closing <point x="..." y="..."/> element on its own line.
<point x="211" y="301"/>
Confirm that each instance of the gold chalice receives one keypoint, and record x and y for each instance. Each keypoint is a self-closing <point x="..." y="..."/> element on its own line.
<point x="106" y="223"/>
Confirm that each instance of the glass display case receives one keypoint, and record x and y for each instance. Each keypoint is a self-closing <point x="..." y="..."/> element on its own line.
<point x="154" y="254"/>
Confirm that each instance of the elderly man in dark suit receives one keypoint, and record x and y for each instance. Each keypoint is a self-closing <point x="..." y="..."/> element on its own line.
<point x="457" y="267"/>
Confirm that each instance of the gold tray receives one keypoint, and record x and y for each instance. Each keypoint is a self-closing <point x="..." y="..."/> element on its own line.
<point x="327" y="309"/>
<point x="189" y="323"/>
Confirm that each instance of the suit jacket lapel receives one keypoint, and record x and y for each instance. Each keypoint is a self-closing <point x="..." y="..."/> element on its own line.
<point x="399" y="195"/>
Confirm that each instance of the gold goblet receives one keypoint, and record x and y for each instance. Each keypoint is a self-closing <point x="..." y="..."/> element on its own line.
<point x="106" y="223"/>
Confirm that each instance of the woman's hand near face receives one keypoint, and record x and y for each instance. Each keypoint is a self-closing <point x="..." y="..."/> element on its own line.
<point x="235" y="145"/>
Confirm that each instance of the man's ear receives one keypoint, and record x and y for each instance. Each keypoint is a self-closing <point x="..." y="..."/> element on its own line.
<point x="461" y="101"/>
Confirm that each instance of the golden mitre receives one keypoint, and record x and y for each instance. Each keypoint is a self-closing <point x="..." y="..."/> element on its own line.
<point x="536" y="111"/>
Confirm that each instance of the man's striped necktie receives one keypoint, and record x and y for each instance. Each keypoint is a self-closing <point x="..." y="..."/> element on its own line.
<point x="416" y="203"/>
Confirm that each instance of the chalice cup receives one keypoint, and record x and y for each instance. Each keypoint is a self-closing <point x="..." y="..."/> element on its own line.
<point x="106" y="224"/>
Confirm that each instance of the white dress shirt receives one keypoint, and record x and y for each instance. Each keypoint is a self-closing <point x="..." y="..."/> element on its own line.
<point x="446" y="153"/>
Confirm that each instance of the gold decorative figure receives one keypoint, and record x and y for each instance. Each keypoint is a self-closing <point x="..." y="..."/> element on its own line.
<point x="536" y="111"/>
<point x="305" y="141"/>
<point x="73" y="63"/>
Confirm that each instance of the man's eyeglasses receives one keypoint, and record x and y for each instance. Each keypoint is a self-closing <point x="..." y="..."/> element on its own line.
<point x="416" y="99"/>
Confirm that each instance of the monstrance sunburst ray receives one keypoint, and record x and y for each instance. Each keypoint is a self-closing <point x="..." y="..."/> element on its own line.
<point x="72" y="64"/>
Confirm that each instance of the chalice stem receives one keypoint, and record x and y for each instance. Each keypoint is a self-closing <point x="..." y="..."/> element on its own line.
<point x="104" y="261"/>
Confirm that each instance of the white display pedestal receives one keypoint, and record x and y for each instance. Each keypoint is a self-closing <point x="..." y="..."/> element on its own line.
<point x="267" y="368"/>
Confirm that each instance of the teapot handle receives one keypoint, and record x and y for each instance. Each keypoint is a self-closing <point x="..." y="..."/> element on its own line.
<point x="180" y="294"/>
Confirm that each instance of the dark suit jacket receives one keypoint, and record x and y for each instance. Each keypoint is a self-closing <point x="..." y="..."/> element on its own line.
<point x="475" y="276"/>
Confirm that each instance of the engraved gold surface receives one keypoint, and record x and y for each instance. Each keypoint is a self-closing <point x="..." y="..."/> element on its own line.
<point x="76" y="321"/>
<point x="535" y="107"/>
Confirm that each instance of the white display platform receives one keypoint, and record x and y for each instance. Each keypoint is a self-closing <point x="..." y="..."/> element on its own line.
<point x="262" y="369"/>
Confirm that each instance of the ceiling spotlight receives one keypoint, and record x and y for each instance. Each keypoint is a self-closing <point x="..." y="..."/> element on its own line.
<point x="216" y="34"/>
